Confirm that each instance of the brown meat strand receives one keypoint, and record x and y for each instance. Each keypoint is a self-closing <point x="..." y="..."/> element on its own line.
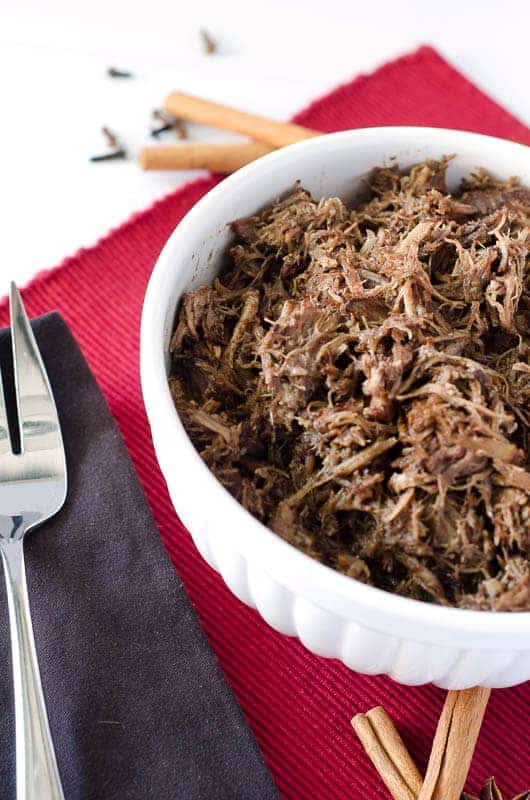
<point x="359" y="379"/>
<point x="486" y="201"/>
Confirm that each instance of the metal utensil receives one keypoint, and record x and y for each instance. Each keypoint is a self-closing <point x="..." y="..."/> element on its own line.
<point x="32" y="489"/>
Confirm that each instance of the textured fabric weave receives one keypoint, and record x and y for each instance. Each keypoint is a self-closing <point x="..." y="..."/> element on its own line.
<point x="297" y="704"/>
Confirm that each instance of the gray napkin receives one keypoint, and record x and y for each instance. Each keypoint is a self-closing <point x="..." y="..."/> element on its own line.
<point x="138" y="705"/>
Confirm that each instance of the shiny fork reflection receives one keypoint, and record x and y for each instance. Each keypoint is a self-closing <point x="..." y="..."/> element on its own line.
<point x="32" y="489"/>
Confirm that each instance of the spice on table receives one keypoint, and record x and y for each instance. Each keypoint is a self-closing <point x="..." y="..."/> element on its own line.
<point x="112" y="72"/>
<point x="114" y="154"/>
<point x="209" y="44"/>
<point x="116" y="151"/>
<point x="162" y="116"/>
<point x="155" y="132"/>
<point x="454" y="744"/>
<point x="385" y="748"/>
<point x="490" y="791"/>
<point x="180" y="129"/>
<point x="205" y="112"/>
<point x="220" y="158"/>
<point x="110" y="137"/>
<point x="169" y="122"/>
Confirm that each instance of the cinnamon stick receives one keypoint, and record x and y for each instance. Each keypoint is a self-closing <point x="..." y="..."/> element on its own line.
<point x="221" y="158"/>
<point x="387" y="752"/>
<point x="454" y="744"/>
<point x="275" y="134"/>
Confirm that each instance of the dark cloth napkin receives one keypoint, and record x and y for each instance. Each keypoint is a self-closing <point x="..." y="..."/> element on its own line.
<point x="138" y="705"/>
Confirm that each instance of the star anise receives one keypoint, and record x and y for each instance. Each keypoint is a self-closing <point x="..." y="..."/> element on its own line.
<point x="490" y="791"/>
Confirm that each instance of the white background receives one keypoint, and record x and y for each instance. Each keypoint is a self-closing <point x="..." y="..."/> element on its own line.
<point x="273" y="58"/>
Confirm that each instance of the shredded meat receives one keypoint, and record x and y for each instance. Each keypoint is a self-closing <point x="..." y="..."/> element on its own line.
<point x="359" y="379"/>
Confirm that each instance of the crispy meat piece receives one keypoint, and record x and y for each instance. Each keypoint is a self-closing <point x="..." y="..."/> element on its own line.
<point x="359" y="379"/>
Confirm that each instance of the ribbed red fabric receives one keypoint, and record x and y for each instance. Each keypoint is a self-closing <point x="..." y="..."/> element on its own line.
<point x="297" y="704"/>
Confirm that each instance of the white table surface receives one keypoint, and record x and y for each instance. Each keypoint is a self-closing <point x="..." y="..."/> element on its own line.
<point x="274" y="56"/>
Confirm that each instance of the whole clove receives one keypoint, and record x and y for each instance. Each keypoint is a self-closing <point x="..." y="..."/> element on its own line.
<point x="209" y="44"/>
<point x="116" y="149"/>
<point x="155" y="132"/>
<point x="180" y="129"/>
<point x="112" y="72"/>
<point x="170" y="122"/>
<point x="162" y="116"/>
<point x="114" y="154"/>
<point x="110" y="137"/>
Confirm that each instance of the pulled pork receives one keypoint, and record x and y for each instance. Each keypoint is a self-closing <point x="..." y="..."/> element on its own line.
<point x="359" y="379"/>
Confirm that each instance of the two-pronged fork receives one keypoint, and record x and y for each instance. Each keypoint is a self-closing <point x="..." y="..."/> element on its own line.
<point x="32" y="489"/>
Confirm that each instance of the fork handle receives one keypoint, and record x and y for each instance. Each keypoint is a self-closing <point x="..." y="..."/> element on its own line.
<point x="36" y="771"/>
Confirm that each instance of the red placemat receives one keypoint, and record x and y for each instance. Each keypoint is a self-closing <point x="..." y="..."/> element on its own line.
<point x="297" y="704"/>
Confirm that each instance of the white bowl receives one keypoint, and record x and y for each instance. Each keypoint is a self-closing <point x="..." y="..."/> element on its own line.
<point x="370" y="630"/>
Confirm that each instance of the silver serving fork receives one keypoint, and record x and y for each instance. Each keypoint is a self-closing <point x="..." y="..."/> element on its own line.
<point x="32" y="489"/>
